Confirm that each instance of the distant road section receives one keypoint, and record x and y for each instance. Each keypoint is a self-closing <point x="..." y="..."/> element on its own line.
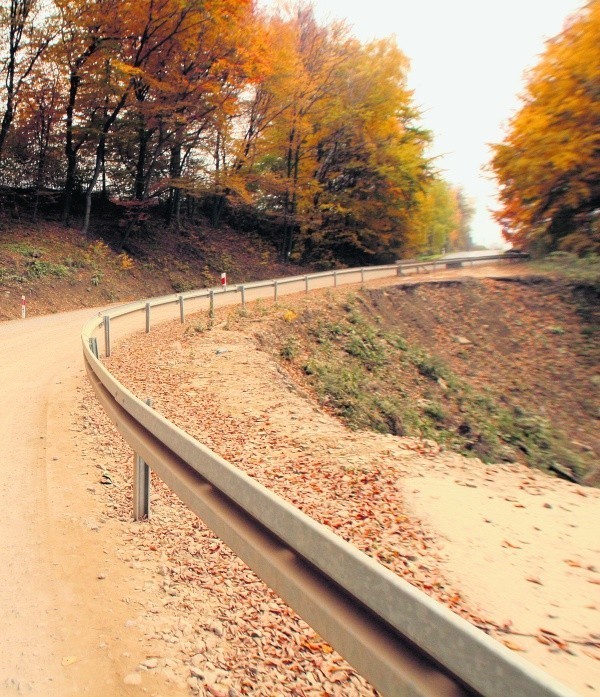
<point x="480" y="254"/>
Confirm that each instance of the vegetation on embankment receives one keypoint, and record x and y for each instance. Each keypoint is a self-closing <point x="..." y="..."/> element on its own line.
<point x="56" y="268"/>
<point x="500" y="369"/>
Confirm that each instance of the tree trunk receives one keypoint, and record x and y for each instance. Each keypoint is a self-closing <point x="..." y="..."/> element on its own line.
<point x="174" y="191"/>
<point x="140" y="168"/>
<point x="69" y="188"/>
<point x="100" y="149"/>
<point x="91" y="185"/>
<point x="70" y="148"/>
<point x="291" y="198"/>
<point x="6" y="122"/>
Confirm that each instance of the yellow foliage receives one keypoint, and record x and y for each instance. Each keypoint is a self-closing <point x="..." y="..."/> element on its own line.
<point x="99" y="249"/>
<point x="548" y="166"/>
<point x="125" y="261"/>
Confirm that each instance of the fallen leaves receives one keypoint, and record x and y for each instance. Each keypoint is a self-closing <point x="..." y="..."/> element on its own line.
<point x="332" y="475"/>
<point x="317" y="647"/>
<point x="513" y="646"/>
<point x="534" y="579"/>
<point x="550" y="638"/>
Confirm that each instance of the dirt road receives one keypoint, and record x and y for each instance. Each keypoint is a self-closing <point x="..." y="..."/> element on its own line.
<point x="64" y="629"/>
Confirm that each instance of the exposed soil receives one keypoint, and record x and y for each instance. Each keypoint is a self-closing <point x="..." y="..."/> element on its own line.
<point x="526" y="341"/>
<point x="57" y="269"/>
<point x="511" y="549"/>
<point x="505" y="369"/>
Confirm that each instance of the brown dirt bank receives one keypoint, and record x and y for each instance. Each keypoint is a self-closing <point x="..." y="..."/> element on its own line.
<point x="505" y="368"/>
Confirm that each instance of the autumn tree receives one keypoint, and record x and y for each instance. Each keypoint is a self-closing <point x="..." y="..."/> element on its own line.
<point x="548" y="166"/>
<point x="33" y="149"/>
<point x="306" y="99"/>
<point x="219" y="105"/>
<point x="341" y="155"/>
<point x="435" y="222"/>
<point x="371" y="164"/>
<point x="23" y="41"/>
<point x="460" y="239"/>
<point x="246" y="145"/>
<point x="90" y="34"/>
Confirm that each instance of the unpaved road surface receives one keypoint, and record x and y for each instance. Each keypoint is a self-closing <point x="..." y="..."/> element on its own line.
<point x="63" y="629"/>
<point x="92" y="604"/>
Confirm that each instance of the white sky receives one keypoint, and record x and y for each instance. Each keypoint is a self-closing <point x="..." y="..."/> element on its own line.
<point x="467" y="63"/>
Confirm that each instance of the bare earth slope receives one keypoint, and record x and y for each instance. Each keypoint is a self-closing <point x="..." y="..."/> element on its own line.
<point x="513" y="550"/>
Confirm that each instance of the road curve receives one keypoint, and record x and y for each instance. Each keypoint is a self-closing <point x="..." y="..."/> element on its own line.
<point x="65" y="630"/>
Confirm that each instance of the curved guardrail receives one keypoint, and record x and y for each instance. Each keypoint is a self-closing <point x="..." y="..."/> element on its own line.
<point x="402" y="641"/>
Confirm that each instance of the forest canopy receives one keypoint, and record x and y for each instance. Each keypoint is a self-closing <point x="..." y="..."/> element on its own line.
<point x="548" y="166"/>
<point x="212" y="108"/>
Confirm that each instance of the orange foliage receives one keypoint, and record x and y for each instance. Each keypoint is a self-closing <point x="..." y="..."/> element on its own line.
<point x="548" y="166"/>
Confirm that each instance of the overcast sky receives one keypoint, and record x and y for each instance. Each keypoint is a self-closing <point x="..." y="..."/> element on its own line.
<point x="467" y="63"/>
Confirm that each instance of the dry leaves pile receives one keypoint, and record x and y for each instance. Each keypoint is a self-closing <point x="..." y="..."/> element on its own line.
<point x="223" y="631"/>
<point x="230" y="630"/>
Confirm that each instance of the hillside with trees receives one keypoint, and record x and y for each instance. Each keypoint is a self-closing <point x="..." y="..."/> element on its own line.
<point x="188" y="111"/>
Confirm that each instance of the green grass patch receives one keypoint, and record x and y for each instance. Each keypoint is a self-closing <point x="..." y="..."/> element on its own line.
<point x="39" y="269"/>
<point x="570" y="266"/>
<point x="24" y="249"/>
<point x="290" y="348"/>
<point x="8" y="276"/>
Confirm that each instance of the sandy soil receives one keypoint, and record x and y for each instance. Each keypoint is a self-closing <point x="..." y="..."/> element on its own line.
<point x="524" y="549"/>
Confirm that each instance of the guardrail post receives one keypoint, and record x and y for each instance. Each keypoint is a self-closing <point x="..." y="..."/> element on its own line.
<point x="399" y="271"/>
<point x="211" y="309"/>
<point x="141" y="485"/>
<point x="94" y="346"/>
<point x="181" y="310"/>
<point x="306" y="283"/>
<point x="362" y="275"/>
<point x="243" y="289"/>
<point x="106" y="336"/>
<point x="335" y="279"/>
<point x="147" y="318"/>
<point x="275" y="290"/>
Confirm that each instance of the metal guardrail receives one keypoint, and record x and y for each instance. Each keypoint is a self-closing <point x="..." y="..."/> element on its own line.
<point x="403" y="642"/>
